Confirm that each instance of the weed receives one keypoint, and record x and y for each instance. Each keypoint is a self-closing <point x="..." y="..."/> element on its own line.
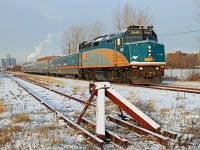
<point x="24" y="117"/>
<point x="55" y="140"/>
<point x="164" y="113"/>
<point x="146" y="106"/>
<point x="4" y="136"/>
<point x="15" y="129"/>
<point x="77" y="88"/>
<point x="193" y="75"/>
<point x="2" y="107"/>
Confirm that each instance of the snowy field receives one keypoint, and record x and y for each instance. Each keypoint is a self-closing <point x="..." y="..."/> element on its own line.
<point x="181" y="74"/>
<point x="175" y="111"/>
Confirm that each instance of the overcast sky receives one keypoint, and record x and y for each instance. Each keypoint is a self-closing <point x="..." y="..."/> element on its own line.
<point x="26" y="25"/>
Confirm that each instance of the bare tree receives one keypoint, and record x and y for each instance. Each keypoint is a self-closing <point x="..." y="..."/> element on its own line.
<point x="143" y="18"/>
<point x="72" y="38"/>
<point x="95" y="30"/>
<point x="77" y="34"/>
<point x="129" y="15"/>
<point x="197" y="19"/>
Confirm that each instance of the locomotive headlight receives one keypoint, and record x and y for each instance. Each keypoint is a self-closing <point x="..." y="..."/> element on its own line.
<point x="135" y="67"/>
<point x="157" y="68"/>
<point x="141" y="68"/>
<point x="162" y="66"/>
<point x="149" y="47"/>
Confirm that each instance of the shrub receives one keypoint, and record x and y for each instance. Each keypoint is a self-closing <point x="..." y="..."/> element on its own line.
<point x="193" y="75"/>
<point x="22" y="118"/>
<point x="4" y="136"/>
<point x="2" y="107"/>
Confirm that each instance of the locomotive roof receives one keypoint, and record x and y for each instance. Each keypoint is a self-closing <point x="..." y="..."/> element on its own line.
<point x="115" y="35"/>
<point x="87" y="44"/>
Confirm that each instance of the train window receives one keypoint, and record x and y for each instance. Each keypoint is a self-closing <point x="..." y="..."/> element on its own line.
<point x="96" y="43"/>
<point x="89" y="44"/>
<point x="119" y="41"/>
<point x="150" y="38"/>
<point x="109" y="41"/>
<point x="131" y="39"/>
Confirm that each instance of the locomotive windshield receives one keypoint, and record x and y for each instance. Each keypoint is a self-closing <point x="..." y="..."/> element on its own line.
<point x="136" y="35"/>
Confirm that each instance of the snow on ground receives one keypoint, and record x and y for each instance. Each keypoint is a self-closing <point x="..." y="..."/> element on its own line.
<point x="176" y="111"/>
<point x="26" y="124"/>
<point x="189" y="84"/>
<point x="179" y="73"/>
<point x="177" y="77"/>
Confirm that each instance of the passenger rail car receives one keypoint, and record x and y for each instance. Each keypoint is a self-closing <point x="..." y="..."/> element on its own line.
<point x="131" y="56"/>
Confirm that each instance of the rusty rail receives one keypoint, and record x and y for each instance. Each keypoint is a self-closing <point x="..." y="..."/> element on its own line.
<point x="163" y="136"/>
<point x="109" y="134"/>
<point x="163" y="132"/>
<point x="69" y="122"/>
<point x="171" y="88"/>
<point x="139" y="130"/>
<point x="65" y="95"/>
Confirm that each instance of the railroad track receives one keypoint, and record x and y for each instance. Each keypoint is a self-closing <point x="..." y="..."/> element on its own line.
<point x="158" y="87"/>
<point x="161" y="87"/>
<point x="171" y="88"/>
<point x="166" y="138"/>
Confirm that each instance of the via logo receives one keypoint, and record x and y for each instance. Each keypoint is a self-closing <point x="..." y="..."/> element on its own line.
<point x="134" y="57"/>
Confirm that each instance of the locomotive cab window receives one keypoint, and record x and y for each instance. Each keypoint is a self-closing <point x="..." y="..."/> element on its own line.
<point x="119" y="42"/>
<point x="133" y="35"/>
<point x="96" y="43"/>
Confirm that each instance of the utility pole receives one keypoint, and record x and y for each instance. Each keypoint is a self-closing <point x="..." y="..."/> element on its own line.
<point x="69" y="48"/>
<point x="1" y="66"/>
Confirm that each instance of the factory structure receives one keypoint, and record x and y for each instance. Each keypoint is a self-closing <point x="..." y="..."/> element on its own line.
<point x="7" y="62"/>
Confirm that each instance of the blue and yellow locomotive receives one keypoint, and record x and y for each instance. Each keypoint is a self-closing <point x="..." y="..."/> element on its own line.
<point x="133" y="55"/>
<point x="130" y="56"/>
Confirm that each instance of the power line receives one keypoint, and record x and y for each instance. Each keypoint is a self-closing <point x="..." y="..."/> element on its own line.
<point x="179" y="33"/>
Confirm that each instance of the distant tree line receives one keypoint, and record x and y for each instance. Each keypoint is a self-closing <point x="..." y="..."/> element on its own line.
<point x="79" y="33"/>
<point x="16" y="68"/>
<point x="182" y="60"/>
<point x="121" y="18"/>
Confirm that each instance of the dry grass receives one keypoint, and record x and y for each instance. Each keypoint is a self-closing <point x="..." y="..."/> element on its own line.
<point x="22" y="118"/>
<point x="193" y="76"/>
<point x="164" y="113"/>
<point x="78" y="88"/>
<point x="191" y="131"/>
<point x="7" y="133"/>
<point x="2" y="107"/>
<point x="42" y="79"/>
<point x="146" y="106"/>
<point x="147" y="138"/>
<point x="90" y="128"/>
<point x="4" y="136"/>
<point x="55" y="140"/>
<point x="75" y="114"/>
<point x="43" y="130"/>
<point x="15" y="129"/>
<point x="132" y="97"/>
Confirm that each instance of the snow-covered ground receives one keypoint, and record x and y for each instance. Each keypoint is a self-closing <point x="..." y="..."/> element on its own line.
<point x="172" y="75"/>
<point x="175" y="111"/>
<point x="179" y="73"/>
<point x="26" y="124"/>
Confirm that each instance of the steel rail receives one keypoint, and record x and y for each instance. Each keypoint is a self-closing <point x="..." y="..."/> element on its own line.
<point x="63" y="94"/>
<point x="109" y="134"/>
<point x="69" y="122"/>
<point x="171" y="88"/>
<point x="163" y="137"/>
<point x="139" y="130"/>
<point x="159" y="87"/>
